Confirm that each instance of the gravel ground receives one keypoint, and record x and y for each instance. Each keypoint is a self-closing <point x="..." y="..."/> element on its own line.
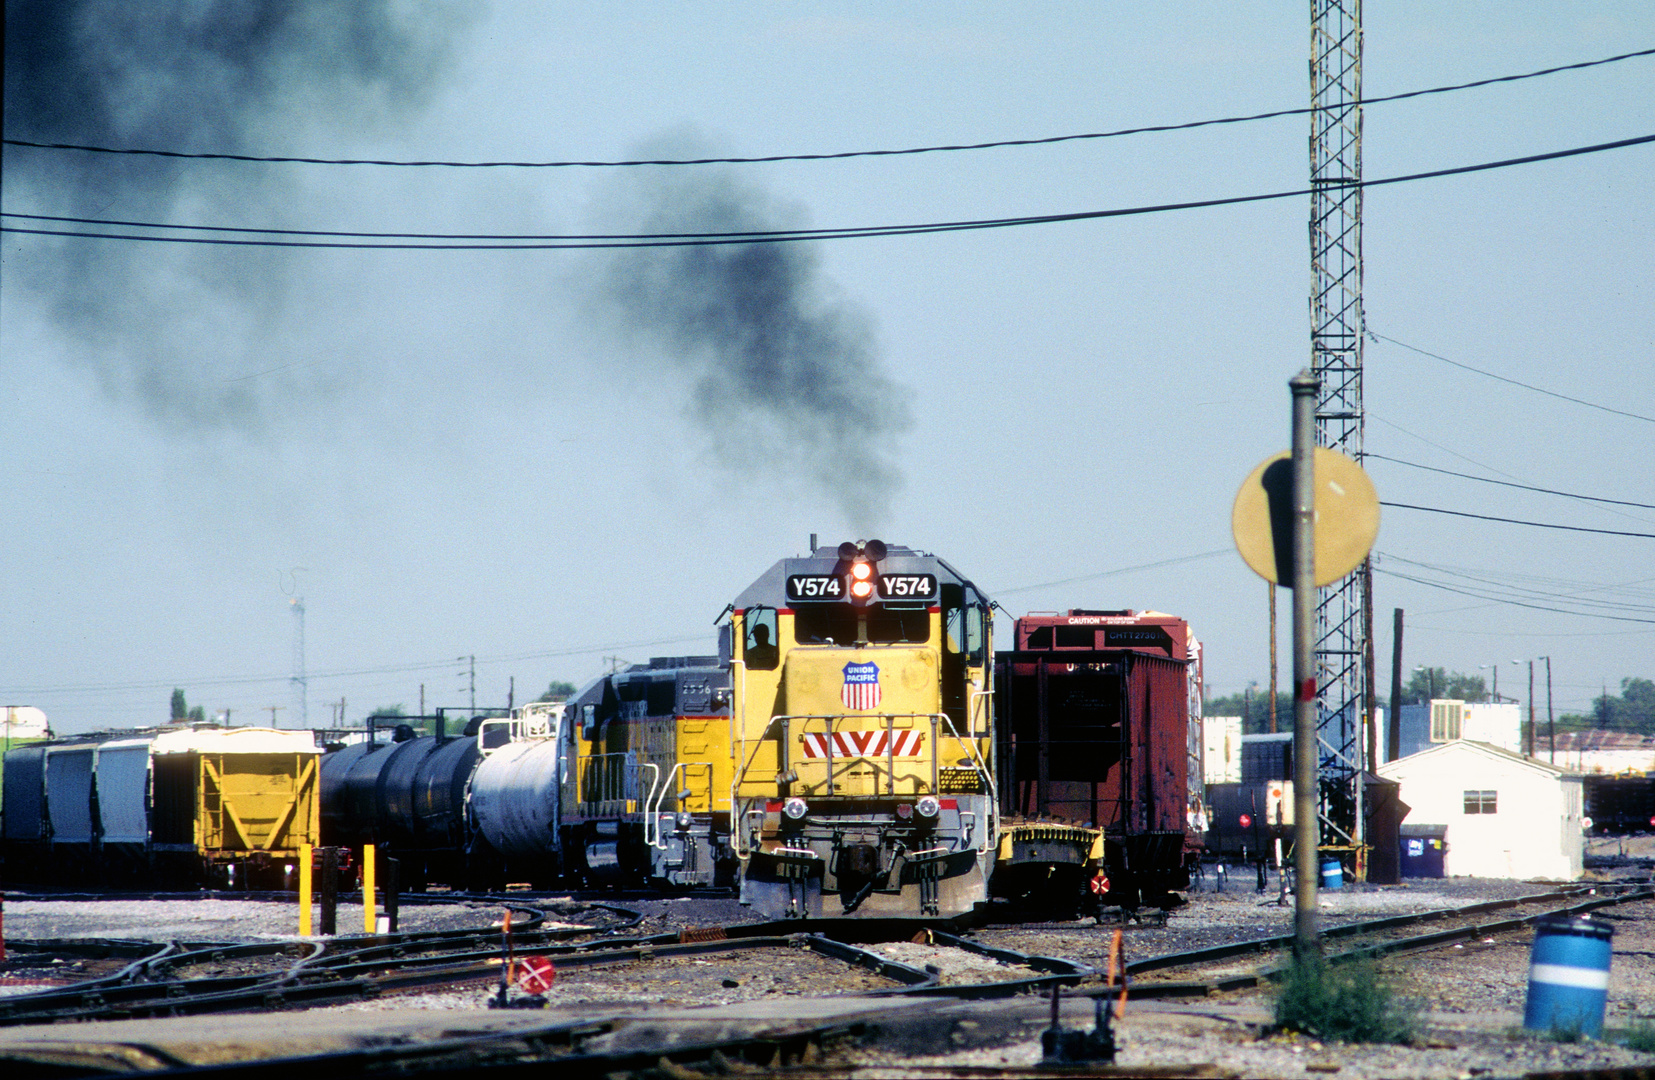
<point x="217" y="920"/>
<point x="717" y="979"/>
<point x="1240" y="913"/>
<point x="1473" y="994"/>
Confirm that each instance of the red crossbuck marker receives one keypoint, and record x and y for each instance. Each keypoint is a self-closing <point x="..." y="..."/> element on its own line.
<point x="848" y="744"/>
<point x="1100" y="885"/>
<point x="536" y="974"/>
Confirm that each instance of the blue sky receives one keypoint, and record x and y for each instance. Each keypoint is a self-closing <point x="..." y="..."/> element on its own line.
<point x="452" y="454"/>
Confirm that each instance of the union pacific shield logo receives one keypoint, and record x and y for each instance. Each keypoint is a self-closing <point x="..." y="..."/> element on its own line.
<point x="861" y="689"/>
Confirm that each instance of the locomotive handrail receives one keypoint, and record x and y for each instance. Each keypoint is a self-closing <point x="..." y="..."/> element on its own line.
<point x="829" y="720"/>
<point x="989" y="786"/>
<point x="939" y="722"/>
<point x="518" y="728"/>
<point x="652" y="808"/>
<point x="637" y="767"/>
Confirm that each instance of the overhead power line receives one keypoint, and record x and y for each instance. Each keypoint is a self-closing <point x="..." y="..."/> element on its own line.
<point x="832" y="156"/>
<point x="1507" y="600"/>
<point x="1505" y="483"/>
<point x="1516" y="521"/>
<point x="1631" y="597"/>
<point x="558" y="241"/>
<point x="1112" y="573"/>
<point x="393" y="669"/>
<point x="1513" y="382"/>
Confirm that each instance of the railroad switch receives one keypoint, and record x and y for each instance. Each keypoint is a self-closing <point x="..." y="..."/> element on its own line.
<point x="1069" y="1047"/>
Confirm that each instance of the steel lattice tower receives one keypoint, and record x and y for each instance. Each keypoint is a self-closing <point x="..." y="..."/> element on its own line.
<point x="1336" y="329"/>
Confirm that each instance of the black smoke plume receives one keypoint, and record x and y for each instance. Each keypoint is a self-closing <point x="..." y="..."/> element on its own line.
<point x="787" y="375"/>
<point x="166" y="325"/>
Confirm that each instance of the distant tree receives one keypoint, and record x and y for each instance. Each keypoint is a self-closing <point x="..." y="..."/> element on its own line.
<point x="1632" y="711"/>
<point x="558" y="691"/>
<point x="180" y="709"/>
<point x="198" y="715"/>
<point x="389" y="710"/>
<point x="1436" y="682"/>
<point x="1254" y="712"/>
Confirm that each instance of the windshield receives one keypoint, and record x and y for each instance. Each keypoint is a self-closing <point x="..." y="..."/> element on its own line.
<point x="836" y="624"/>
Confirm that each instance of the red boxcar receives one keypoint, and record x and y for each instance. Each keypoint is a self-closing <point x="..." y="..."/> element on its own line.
<point x="1099" y="723"/>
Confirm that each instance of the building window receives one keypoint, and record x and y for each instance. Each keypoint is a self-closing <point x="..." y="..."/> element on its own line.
<point x="1480" y="802"/>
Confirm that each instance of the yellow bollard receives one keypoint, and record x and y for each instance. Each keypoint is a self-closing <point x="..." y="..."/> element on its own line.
<point x="304" y="890"/>
<point x="370" y="924"/>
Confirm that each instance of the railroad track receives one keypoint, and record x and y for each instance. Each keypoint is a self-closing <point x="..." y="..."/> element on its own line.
<point x="289" y="974"/>
<point x="180" y="978"/>
<point x="1214" y="969"/>
<point x="185" y="978"/>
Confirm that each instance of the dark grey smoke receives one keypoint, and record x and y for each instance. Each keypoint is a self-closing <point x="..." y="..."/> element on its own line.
<point x="159" y="323"/>
<point x="787" y="375"/>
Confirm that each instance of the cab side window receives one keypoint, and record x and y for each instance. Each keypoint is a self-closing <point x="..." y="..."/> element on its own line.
<point x="759" y="640"/>
<point x="976" y="634"/>
<point x="964" y="632"/>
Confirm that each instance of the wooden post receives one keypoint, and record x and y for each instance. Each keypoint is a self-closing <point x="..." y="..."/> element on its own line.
<point x="370" y="924"/>
<point x="304" y="890"/>
<point x="393" y="893"/>
<point x="330" y="891"/>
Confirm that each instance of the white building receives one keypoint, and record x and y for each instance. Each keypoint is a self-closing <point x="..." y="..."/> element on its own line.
<point x="1508" y="816"/>
<point x="1498" y="723"/>
<point x="1600" y="751"/>
<point x="23" y="722"/>
<point x="1221" y="763"/>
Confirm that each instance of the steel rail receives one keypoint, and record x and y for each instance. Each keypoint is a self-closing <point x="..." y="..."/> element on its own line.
<point x="1415" y="943"/>
<point x="146" y="987"/>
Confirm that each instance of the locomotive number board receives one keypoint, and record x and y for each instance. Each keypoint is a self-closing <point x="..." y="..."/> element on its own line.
<point x="907" y="587"/>
<point x="817" y="588"/>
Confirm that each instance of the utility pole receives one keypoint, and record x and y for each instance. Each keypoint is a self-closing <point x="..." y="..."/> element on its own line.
<point x="1272" y="587"/>
<point x="1336" y="332"/>
<point x="1551" y="724"/>
<point x="1531" y="708"/>
<point x="274" y="709"/>
<point x="1393" y="740"/>
<point x="1305" y="751"/>
<point x="473" y="668"/>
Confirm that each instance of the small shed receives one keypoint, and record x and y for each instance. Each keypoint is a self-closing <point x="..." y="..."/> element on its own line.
<point x="1505" y="815"/>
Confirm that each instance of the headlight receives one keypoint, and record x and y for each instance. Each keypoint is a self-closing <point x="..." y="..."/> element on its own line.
<point x="928" y="807"/>
<point x="685" y="821"/>
<point x="795" y="808"/>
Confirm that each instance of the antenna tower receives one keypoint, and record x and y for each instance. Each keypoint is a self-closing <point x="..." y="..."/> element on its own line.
<point x="1343" y="627"/>
<point x="301" y="686"/>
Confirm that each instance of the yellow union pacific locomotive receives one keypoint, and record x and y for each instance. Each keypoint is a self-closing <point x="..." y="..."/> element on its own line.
<point x="862" y="728"/>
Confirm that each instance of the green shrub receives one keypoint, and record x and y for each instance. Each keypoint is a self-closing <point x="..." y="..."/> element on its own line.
<point x="1348" y="1002"/>
<point x="1640" y="1037"/>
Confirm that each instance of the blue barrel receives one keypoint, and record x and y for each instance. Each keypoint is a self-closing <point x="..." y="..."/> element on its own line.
<point x="1333" y="874"/>
<point x="1569" y="975"/>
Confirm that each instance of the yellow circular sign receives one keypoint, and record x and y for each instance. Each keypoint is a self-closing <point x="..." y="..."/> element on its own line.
<point x="1346" y="517"/>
